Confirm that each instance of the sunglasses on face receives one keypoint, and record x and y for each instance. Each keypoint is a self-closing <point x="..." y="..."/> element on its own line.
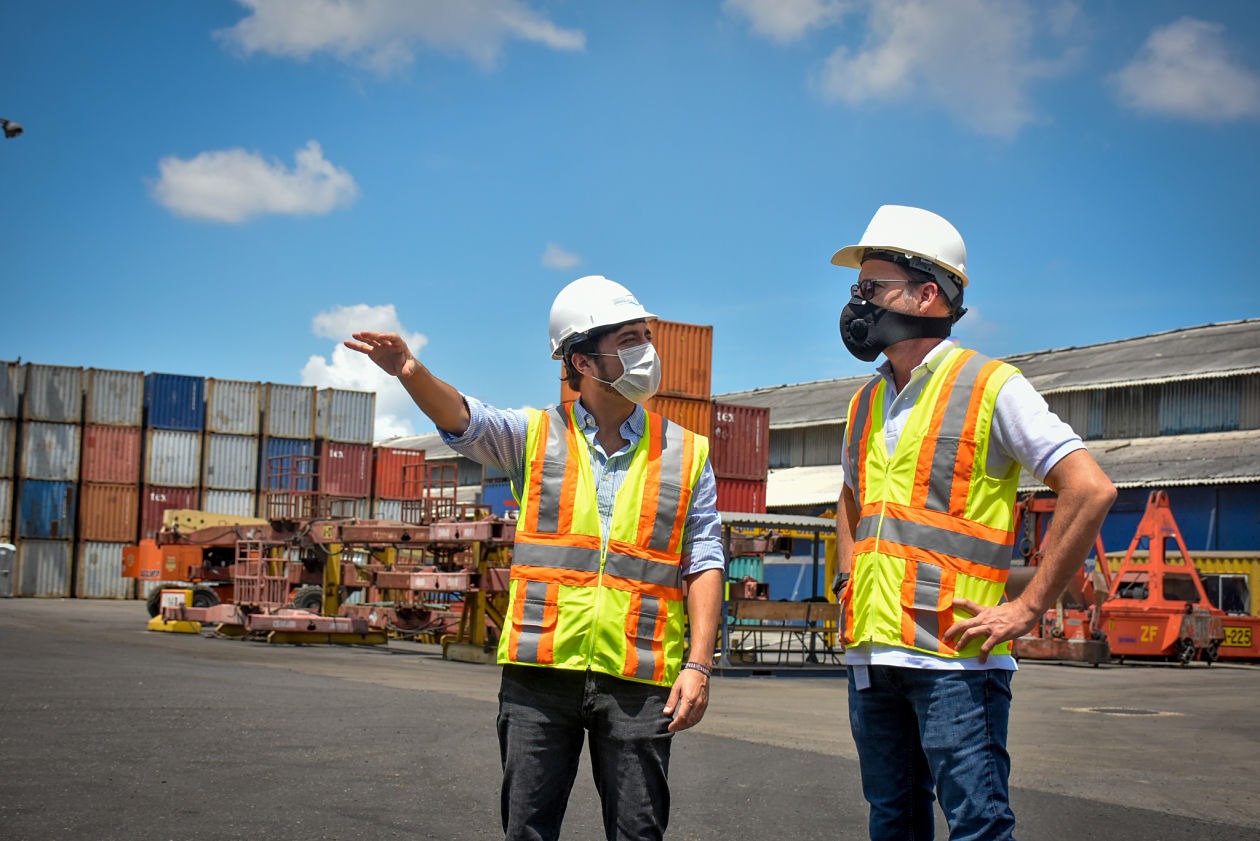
<point x="868" y="289"/>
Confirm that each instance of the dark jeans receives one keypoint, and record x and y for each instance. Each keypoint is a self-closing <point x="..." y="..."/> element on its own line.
<point x="544" y="714"/>
<point x="922" y="729"/>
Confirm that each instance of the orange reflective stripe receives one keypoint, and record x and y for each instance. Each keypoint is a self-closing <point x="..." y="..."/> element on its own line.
<point x="554" y="575"/>
<point x="622" y="548"/>
<point x="966" y="467"/>
<point x="650" y="501"/>
<point x="941" y="520"/>
<point x="927" y="449"/>
<point x="631" y="585"/>
<point x="534" y="623"/>
<point x="572" y="468"/>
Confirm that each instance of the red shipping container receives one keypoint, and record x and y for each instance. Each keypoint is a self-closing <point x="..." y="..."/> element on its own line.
<point x="741" y="496"/>
<point x="388" y="479"/>
<point x="740" y="444"/>
<point x="111" y="454"/>
<point x="345" y="469"/>
<point x="155" y="499"/>
<point x="109" y="513"/>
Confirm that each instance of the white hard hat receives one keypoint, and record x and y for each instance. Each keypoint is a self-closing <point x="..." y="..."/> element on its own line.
<point x="587" y="304"/>
<point x="912" y="232"/>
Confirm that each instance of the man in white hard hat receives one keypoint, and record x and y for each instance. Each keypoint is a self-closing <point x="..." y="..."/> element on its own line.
<point x="617" y="511"/>
<point x="932" y="457"/>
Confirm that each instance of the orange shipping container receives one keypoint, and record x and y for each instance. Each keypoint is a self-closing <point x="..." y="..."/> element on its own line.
<point x="388" y="471"/>
<point x="109" y="512"/>
<point x="111" y="454"/>
<point x="740" y="447"/>
<point x="686" y="352"/>
<point x="696" y="415"/>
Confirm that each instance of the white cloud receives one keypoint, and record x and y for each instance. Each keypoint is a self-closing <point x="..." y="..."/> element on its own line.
<point x="973" y="59"/>
<point x="349" y="369"/>
<point x="234" y="185"/>
<point x="787" y="20"/>
<point x="384" y="34"/>
<point x="1185" y="70"/>
<point x="555" y="257"/>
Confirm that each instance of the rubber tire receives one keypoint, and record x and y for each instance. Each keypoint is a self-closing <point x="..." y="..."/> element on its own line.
<point x="205" y="597"/>
<point x="308" y="598"/>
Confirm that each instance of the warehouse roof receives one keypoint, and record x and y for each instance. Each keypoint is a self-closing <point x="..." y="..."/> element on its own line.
<point x="1189" y="353"/>
<point x="434" y="449"/>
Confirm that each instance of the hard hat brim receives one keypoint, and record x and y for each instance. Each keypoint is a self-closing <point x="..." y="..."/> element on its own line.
<point x="851" y="258"/>
<point x="558" y="353"/>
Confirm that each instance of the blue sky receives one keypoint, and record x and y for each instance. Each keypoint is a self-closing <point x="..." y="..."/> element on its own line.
<point x="227" y="188"/>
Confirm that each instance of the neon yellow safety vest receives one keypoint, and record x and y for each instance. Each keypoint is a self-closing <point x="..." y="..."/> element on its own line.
<point x="933" y="525"/>
<point x="577" y="601"/>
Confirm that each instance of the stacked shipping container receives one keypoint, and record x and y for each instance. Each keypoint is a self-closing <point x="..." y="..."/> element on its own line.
<point x="343" y="428"/>
<point x="229" y="474"/>
<point x="740" y="452"/>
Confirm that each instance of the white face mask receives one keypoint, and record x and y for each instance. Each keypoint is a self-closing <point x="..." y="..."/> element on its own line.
<point x="640" y="375"/>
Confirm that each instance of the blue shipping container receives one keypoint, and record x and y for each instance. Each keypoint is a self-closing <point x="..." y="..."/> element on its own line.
<point x="172" y="401"/>
<point x="291" y="447"/>
<point x="46" y="509"/>
<point x="498" y="496"/>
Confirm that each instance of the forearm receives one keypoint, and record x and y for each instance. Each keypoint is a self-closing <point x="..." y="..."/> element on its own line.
<point x="704" y="609"/>
<point x="437" y="399"/>
<point x="846" y="528"/>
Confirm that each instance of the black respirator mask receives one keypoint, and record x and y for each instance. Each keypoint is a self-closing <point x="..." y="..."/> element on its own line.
<point x="868" y="329"/>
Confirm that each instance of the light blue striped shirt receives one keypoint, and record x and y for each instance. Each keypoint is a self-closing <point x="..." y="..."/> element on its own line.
<point x="496" y="438"/>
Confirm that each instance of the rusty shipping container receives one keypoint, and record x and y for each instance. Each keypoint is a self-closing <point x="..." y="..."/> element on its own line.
<point x="345" y="416"/>
<point x="231" y="462"/>
<point x="44" y="567"/>
<point x="155" y="500"/>
<point x="174" y="401"/>
<point x="233" y="407"/>
<point x="740" y="445"/>
<point x="696" y="415"/>
<point x="6" y="510"/>
<point x="45" y="510"/>
<point x="11" y="378"/>
<point x="237" y="503"/>
<point x="8" y="448"/>
<point x="388" y="467"/>
<point x="172" y="458"/>
<point x="109" y="512"/>
<point x="98" y="572"/>
<point x="113" y="398"/>
<point x="50" y="451"/>
<point x="53" y="393"/>
<point x="345" y="469"/>
<point x="686" y="352"/>
<point x="111" y="454"/>
<point x="289" y="411"/>
<point x="741" y="496"/>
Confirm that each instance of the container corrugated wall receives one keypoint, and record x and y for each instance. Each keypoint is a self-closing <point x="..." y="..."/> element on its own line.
<point x="387" y="482"/>
<point x="277" y="448"/>
<point x="696" y="415"/>
<point x="45" y="510"/>
<point x="741" y="496"/>
<point x="740" y="445"/>
<point x="233" y="407"/>
<point x="53" y="393"/>
<point x="11" y="377"/>
<point x="346" y="416"/>
<point x="50" y="451"/>
<point x="174" y="401"/>
<point x="387" y="509"/>
<point x="114" y="398"/>
<point x="231" y="462"/>
<point x="111" y="454"/>
<point x="345" y="469"/>
<point x="43" y="568"/>
<point x="686" y="352"/>
<point x="109" y="512"/>
<point x="8" y="449"/>
<point x="238" y="503"/>
<point x="172" y="458"/>
<point x="155" y="500"/>
<point x="6" y="510"/>
<point x="98" y="572"/>
<point x="289" y="411"/>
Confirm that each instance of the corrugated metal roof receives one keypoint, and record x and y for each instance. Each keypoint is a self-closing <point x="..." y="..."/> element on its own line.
<point x="782" y="521"/>
<point x="434" y="449"/>
<point x="1209" y="458"/>
<point x="789" y="487"/>
<point x="1189" y="353"/>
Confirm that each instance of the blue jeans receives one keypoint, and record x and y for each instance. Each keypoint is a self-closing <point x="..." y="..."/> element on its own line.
<point x="544" y="714"/>
<point x="924" y="730"/>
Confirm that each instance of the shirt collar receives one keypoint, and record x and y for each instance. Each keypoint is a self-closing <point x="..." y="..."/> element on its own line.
<point x="930" y="362"/>
<point x="631" y="430"/>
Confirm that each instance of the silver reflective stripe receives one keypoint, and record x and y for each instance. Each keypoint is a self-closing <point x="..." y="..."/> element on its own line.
<point x="945" y="452"/>
<point x="531" y="628"/>
<point x="554" y="464"/>
<point x="641" y="569"/>
<point x="927" y="622"/>
<point x="556" y="557"/>
<point x="646" y="633"/>
<point x="934" y="539"/>
<point x="857" y="430"/>
<point x="670" y="496"/>
<point x="868" y="526"/>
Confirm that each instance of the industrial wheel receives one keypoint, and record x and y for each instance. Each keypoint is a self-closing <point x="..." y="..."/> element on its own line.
<point x="1185" y="651"/>
<point x="310" y="597"/>
<point x="1212" y="653"/>
<point x="153" y="602"/>
<point x="205" y="597"/>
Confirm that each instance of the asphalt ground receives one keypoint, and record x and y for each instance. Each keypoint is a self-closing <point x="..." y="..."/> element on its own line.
<point x="109" y="731"/>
